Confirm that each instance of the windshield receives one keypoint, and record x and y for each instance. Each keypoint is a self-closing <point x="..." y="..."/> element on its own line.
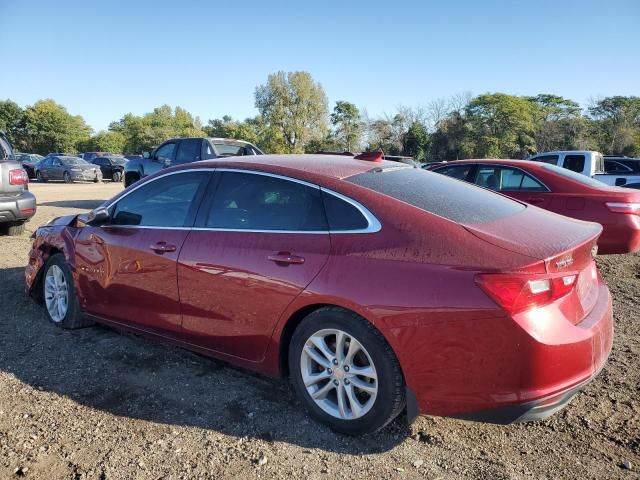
<point x="575" y="176"/>
<point x="69" y="161"/>
<point x="444" y="196"/>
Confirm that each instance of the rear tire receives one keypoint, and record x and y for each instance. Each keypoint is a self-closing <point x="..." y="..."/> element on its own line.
<point x="15" y="229"/>
<point x="59" y="295"/>
<point x="116" y="177"/>
<point x="66" y="177"/>
<point x="348" y="402"/>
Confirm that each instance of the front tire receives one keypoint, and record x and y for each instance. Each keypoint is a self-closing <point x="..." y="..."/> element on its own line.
<point x="345" y="372"/>
<point x="59" y="294"/>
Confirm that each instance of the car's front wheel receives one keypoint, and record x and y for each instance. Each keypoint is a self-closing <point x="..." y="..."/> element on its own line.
<point x="67" y="177"/>
<point x="116" y="176"/>
<point x="59" y="294"/>
<point x="345" y="372"/>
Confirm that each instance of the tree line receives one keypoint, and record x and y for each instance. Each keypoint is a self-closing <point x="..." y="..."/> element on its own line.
<point x="294" y="117"/>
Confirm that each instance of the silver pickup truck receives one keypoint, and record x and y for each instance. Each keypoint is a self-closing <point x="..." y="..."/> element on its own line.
<point x="17" y="203"/>
<point x="589" y="163"/>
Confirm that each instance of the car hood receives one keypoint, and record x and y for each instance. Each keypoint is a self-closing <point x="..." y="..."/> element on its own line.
<point x="537" y="233"/>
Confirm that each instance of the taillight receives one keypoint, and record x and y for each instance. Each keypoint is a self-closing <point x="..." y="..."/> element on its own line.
<point x="18" y="177"/>
<point x="518" y="292"/>
<point x="623" y="207"/>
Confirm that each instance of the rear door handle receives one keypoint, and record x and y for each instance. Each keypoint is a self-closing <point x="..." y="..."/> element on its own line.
<point x="163" y="247"/>
<point x="286" y="258"/>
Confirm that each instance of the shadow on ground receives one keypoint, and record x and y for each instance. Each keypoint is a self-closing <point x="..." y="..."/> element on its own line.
<point x="132" y="377"/>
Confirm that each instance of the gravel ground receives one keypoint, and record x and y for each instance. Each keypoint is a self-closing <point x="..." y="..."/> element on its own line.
<point x="94" y="403"/>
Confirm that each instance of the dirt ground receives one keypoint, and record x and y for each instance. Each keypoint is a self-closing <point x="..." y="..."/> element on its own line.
<point x="94" y="403"/>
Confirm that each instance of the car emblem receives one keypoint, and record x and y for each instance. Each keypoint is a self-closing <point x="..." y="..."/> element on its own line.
<point x="565" y="262"/>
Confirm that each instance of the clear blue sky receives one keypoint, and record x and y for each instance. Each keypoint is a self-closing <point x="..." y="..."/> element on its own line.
<point x="102" y="59"/>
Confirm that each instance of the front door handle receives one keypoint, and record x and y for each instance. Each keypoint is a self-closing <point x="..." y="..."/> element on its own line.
<point x="163" y="247"/>
<point x="286" y="258"/>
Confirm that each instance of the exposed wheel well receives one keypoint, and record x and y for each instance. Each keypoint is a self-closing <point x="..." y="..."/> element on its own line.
<point x="131" y="177"/>
<point x="36" y="291"/>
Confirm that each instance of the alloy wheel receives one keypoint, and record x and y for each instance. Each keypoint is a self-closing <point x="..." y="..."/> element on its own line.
<point x="56" y="293"/>
<point x="339" y="374"/>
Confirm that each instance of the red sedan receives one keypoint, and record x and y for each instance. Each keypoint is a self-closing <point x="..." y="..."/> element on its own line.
<point x="562" y="191"/>
<point x="374" y="286"/>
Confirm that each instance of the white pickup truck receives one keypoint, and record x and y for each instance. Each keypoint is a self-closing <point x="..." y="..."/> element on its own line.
<point x="589" y="163"/>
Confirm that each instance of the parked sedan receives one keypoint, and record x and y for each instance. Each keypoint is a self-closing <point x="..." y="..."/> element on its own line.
<point x="111" y="166"/>
<point x="68" y="169"/>
<point x="376" y="287"/>
<point x="562" y="191"/>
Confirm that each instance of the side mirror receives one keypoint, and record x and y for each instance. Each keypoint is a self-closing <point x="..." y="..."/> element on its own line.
<point x="98" y="216"/>
<point x="146" y="155"/>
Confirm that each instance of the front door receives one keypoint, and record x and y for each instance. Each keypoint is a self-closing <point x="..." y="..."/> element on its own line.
<point x="127" y="267"/>
<point x="257" y="244"/>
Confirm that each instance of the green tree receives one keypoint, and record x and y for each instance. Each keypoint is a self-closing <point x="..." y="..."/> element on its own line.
<point x="49" y="127"/>
<point x="12" y="122"/>
<point x="348" y="125"/>
<point x="151" y="129"/>
<point x="416" y="141"/>
<point x="558" y="123"/>
<point x="104" y="142"/>
<point x="295" y="106"/>
<point x="501" y="126"/>
<point x="616" y="124"/>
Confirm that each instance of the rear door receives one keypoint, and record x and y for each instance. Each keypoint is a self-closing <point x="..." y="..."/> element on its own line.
<point x="260" y="240"/>
<point x="128" y="267"/>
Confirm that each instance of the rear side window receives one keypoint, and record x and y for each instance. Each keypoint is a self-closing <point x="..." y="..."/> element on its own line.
<point x="575" y="163"/>
<point x="550" y="159"/>
<point x="455" y="171"/>
<point x="247" y="201"/>
<point x="439" y="194"/>
<point x="188" y="150"/>
<point x="341" y="215"/>
<point x="507" y="179"/>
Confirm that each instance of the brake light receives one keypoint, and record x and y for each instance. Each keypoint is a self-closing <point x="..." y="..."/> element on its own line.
<point x="622" y="207"/>
<point x="518" y="292"/>
<point x="18" y="177"/>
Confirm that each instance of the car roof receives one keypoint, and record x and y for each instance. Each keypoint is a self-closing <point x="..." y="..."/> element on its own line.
<point x="496" y="161"/>
<point x="328" y="166"/>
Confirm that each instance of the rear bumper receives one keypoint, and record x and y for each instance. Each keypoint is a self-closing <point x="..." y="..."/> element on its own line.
<point x="621" y="237"/>
<point x="17" y="209"/>
<point x="530" y="411"/>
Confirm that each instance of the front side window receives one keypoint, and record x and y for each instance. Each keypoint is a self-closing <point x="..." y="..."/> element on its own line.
<point x="575" y="163"/>
<point x="169" y="201"/>
<point x="455" y="171"/>
<point x="248" y="201"/>
<point x="188" y="150"/>
<point x="165" y="151"/>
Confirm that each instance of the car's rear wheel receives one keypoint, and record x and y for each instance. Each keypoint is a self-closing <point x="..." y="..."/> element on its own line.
<point x="58" y="292"/>
<point x="345" y="372"/>
<point x="116" y="177"/>
<point x="40" y="178"/>
<point x="66" y="177"/>
<point x="15" y="229"/>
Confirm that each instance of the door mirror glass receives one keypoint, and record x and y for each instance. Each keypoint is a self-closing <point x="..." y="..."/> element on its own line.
<point x="98" y="216"/>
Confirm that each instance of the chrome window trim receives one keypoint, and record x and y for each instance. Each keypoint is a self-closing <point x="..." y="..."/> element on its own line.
<point x="374" y="224"/>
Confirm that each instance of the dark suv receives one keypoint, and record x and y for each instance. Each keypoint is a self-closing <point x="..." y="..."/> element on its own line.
<point x="185" y="150"/>
<point x="17" y="204"/>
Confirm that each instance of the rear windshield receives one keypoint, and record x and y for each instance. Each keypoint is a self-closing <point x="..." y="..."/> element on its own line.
<point x="575" y="176"/>
<point x="5" y="149"/>
<point x="449" y="198"/>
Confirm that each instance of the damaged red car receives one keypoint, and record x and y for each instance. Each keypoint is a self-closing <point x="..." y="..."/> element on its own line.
<point x="375" y="286"/>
